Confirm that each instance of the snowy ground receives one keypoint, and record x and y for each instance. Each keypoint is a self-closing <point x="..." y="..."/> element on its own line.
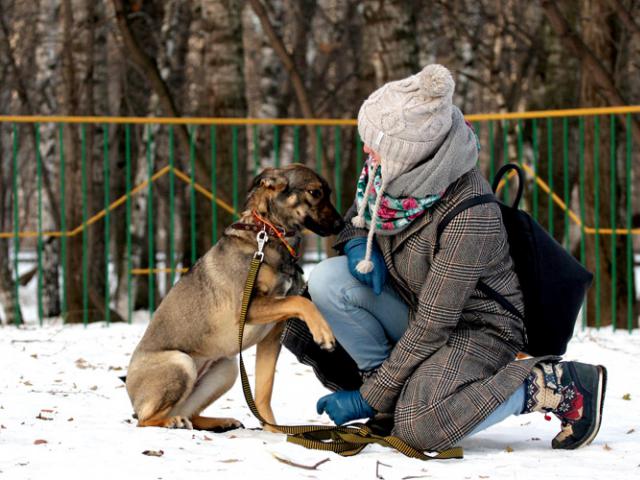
<point x="65" y="414"/>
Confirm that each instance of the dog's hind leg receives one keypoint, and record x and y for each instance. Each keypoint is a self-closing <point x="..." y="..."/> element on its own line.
<point x="267" y="352"/>
<point x="216" y="381"/>
<point x="156" y="383"/>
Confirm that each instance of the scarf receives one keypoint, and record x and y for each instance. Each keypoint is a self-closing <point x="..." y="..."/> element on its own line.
<point x="394" y="213"/>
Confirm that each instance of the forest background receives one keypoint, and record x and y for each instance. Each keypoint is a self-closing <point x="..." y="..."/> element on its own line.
<point x="284" y="59"/>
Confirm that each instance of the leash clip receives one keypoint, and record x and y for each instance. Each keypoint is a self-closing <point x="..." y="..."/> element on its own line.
<point x="262" y="238"/>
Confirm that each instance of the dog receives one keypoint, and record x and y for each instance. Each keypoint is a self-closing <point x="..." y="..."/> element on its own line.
<point x="186" y="358"/>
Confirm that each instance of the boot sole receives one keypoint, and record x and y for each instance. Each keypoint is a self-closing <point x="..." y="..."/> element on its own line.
<point x="602" y="388"/>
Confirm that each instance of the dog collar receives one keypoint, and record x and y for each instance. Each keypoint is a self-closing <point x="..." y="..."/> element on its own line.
<point x="271" y="231"/>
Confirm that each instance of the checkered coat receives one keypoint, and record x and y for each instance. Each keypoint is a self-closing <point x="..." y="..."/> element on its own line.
<point x="456" y="362"/>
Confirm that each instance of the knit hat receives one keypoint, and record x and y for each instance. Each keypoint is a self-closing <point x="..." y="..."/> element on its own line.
<point x="404" y="121"/>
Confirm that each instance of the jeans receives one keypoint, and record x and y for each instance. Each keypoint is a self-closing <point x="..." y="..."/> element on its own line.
<point x="369" y="325"/>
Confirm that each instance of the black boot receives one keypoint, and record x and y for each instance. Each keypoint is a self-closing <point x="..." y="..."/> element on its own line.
<point x="573" y="392"/>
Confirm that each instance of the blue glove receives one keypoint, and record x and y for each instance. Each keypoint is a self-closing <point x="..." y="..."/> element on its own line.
<point x="345" y="406"/>
<point x="355" y="249"/>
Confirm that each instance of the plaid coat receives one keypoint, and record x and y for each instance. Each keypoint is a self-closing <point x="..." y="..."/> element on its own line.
<point x="456" y="362"/>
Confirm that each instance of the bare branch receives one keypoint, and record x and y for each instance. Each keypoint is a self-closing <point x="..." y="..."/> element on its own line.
<point x="294" y="75"/>
<point x="576" y="45"/>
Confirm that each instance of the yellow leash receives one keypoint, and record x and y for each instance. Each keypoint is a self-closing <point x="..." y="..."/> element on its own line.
<point x="345" y="440"/>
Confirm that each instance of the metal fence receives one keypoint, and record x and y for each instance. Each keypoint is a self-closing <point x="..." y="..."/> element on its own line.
<point x="579" y="164"/>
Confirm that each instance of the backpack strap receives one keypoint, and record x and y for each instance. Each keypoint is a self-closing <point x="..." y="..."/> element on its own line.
<point x="483" y="287"/>
<point x="468" y="203"/>
<point x="494" y="295"/>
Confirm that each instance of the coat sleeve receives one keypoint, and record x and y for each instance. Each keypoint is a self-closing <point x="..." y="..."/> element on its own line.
<point x="468" y="245"/>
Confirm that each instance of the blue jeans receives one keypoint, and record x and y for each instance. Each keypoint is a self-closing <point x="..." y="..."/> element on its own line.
<point x="369" y="325"/>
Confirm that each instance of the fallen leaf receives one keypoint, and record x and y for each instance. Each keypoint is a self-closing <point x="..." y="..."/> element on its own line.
<point x="607" y="447"/>
<point x="70" y="419"/>
<point x="82" y="363"/>
<point x="484" y="476"/>
<point x="535" y="439"/>
<point x="28" y="383"/>
<point x="508" y="449"/>
<point x="153" y="453"/>
<point x="34" y="355"/>
<point x="47" y="410"/>
<point x="42" y="417"/>
<point x="626" y="396"/>
<point x="631" y="431"/>
<point x="40" y="441"/>
<point x="94" y="388"/>
<point x="230" y="460"/>
<point x="207" y="438"/>
<point x="3" y="427"/>
<point x="115" y="368"/>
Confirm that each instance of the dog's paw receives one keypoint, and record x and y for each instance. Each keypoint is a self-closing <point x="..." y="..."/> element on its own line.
<point x="179" y="422"/>
<point x="216" y="425"/>
<point x="323" y="336"/>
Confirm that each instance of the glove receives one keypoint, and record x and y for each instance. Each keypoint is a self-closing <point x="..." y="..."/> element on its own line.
<point x="355" y="249"/>
<point x="345" y="406"/>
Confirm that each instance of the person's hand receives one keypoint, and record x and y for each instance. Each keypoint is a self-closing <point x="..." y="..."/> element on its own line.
<point x="355" y="250"/>
<point x="345" y="406"/>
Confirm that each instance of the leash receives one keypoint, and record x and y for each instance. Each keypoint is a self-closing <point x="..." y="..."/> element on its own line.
<point x="345" y="440"/>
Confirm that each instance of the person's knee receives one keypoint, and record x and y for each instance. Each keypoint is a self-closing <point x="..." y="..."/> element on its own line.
<point x="326" y="280"/>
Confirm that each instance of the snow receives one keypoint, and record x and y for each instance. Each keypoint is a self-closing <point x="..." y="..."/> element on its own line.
<point x="60" y="384"/>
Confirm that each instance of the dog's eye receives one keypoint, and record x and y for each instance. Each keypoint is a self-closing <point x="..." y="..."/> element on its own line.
<point x="315" y="193"/>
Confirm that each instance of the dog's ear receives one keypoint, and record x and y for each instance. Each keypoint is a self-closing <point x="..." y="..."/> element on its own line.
<point x="272" y="179"/>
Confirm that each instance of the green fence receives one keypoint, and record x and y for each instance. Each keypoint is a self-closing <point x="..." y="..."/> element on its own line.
<point x="193" y="173"/>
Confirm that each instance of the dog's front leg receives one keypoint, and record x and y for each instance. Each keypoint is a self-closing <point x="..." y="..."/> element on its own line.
<point x="267" y="352"/>
<point x="265" y="309"/>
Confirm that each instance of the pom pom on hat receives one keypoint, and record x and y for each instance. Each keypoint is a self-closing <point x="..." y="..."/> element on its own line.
<point x="436" y="81"/>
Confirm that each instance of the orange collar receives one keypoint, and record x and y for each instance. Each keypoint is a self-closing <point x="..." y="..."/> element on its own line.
<point x="279" y="232"/>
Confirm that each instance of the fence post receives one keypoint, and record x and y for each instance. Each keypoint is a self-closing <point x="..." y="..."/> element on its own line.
<point x="550" y="174"/>
<point x="172" y="178"/>
<point x="107" y="221"/>
<point x="85" y="259"/>
<point x="583" y="255"/>
<point x="612" y="213"/>
<point x="319" y="170"/>
<point x="39" y="188"/>
<point x="234" y="159"/>
<point x="536" y="153"/>
<point x="63" y="222"/>
<point x="337" y="169"/>
<point x="192" y="196"/>
<point x="150" y="232"/>
<point x="596" y="185"/>
<point x="127" y="130"/>
<point x="630" y="289"/>
<point x="565" y="178"/>
<point x="16" y="226"/>
<point x="214" y="181"/>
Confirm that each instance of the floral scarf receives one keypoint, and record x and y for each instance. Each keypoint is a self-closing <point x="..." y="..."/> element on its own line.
<point x="394" y="214"/>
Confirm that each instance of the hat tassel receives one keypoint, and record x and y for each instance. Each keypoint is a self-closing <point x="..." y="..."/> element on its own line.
<point x="365" y="265"/>
<point x="358" y="221"/>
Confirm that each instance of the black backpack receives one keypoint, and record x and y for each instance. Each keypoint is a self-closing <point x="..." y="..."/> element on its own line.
<point x="553" y="282"/>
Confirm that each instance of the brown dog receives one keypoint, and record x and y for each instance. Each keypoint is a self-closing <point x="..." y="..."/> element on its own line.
<point x="187" y="356"/>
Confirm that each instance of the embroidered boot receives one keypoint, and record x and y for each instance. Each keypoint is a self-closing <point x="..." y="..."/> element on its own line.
<point x="573" y="392"/>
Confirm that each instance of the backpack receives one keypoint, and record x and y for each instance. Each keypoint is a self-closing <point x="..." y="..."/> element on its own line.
<point x="552" y="281"/>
